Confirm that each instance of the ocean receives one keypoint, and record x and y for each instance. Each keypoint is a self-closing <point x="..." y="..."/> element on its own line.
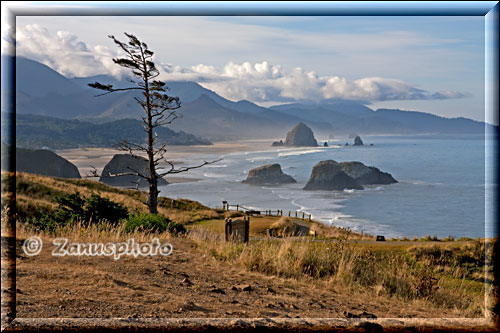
<point x="441" y="189"/>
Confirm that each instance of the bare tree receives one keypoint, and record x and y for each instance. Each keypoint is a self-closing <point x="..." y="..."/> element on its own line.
<point x="159" y="110"/>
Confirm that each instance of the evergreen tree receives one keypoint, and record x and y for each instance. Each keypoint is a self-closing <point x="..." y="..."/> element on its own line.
<point x="159" y="109"/>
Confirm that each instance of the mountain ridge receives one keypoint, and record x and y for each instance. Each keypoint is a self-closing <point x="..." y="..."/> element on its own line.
<point x="223" y="119"/>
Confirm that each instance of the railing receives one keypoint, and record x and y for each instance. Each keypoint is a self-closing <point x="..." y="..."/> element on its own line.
<point x="267" y="212"/>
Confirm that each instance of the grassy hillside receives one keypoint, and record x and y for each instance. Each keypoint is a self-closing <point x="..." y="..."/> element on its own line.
<point x="37" y="194"/>
<point x="447" y="275"/>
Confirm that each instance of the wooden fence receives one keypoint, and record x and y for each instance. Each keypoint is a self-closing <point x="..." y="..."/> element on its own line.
<point x="267" y="212"/>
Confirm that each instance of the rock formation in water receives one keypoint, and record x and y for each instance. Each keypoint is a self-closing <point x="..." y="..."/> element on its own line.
<point x="122" y="164"/>
<point x="358" y="141"/>
<point x="301" y="136"/>
<point x="329" y="175"/>
<point x="270" y="174"/>
<point x="278" y="143"/>
<point x="367" y="175"/>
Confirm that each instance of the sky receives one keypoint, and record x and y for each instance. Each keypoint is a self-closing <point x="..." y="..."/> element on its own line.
<point x="430" y="64"/>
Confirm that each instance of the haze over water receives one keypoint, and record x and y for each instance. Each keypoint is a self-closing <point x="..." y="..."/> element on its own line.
<point x="441" y="189"/>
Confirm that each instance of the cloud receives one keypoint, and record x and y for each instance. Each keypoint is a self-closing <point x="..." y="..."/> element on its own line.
<point x="259" y="82"/>
<point x="449" y="94"/>
<point x="64" y="52"/>
<point x="263" y="82"/>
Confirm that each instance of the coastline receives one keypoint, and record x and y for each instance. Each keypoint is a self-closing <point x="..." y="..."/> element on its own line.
<point x="87" y="158"/>
<point x="442" y="204"/>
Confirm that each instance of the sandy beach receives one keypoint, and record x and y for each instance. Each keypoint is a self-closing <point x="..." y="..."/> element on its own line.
<point x="86" y="159"/>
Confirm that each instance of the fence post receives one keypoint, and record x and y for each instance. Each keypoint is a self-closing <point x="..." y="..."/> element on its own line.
<point x="295" y="213"/>
<point x="289" y="213"/>
<point x="303" y="214"/>
<point x="228" y="229"/>
<point x="247" y="228"/>
<point x="309" y="217"/>
<point x="237" y="208"/>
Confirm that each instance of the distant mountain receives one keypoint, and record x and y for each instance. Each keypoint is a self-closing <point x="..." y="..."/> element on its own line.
<point x="37" y="80"/>
<point x="291" y="120"/>
<point x="207" y="118"/>
<point x="186" y="91"/>
<point x="346" y="118"/>
<point x="42" y="91"/>
<point x="350" y="108"/>
<point x="34" y="131"/>
<point x="422" y="122"/>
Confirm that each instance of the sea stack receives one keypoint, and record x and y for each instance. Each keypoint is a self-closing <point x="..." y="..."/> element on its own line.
<point x="358" y="141"/>
<point x="122" y="164"/>
<point x="301" y="136"/>
<point x="269" y="174"/>
<point x="367" y="175"/>
<point x="330" y="176"/>
<point x="278" y="143"/>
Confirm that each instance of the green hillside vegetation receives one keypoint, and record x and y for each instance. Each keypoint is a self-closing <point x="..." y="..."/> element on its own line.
<point x="33" y="131"/>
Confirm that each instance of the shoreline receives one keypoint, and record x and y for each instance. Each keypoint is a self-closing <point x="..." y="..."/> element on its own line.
<point x="354" y="210"/>
<point x="87" y="158"/>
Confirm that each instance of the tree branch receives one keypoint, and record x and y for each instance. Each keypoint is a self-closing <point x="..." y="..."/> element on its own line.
<point x="184" y="169"/>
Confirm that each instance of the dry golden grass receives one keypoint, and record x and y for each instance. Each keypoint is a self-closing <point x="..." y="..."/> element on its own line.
<point x="334" y="259"/>
<point x="347" y="267"/>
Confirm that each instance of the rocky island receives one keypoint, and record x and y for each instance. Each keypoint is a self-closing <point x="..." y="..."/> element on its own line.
<point x="269" y="174"/>
<point x="278" y="143"/>
<point x="330" y="176"/>
<point x="123" y="163"/>
<point x="367" y="175"/>
<point x="300" y="136"/>
<point x="358" y="141"/>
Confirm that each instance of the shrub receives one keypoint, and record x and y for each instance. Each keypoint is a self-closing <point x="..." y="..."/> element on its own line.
<point x="146" y="222"/>
<point x="43" y="221"/>
<point x="426" y="283"/>
<point x="175" y="228"/>
<point x="428" y="238"/>
<point x="152" y="223"/>
<point x="98" y="208"/>
<point x="72" y="207"/>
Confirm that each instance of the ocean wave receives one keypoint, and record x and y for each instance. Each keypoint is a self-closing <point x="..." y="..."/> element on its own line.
<point x="301" y="152"/>
<point x="258" y="158"/>
<point x="420" y="182"/>
<point x="215" y="175"/>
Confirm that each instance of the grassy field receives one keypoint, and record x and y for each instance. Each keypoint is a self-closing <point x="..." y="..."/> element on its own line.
<point x="448" y="275"/>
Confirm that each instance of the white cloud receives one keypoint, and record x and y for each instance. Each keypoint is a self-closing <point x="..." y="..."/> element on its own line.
<point x="264" y="83"/>
<point x="64" y="52"/>
<point x="260" y="82"/>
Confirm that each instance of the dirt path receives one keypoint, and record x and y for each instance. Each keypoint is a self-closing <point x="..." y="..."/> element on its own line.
<point x="184" y="285"/>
